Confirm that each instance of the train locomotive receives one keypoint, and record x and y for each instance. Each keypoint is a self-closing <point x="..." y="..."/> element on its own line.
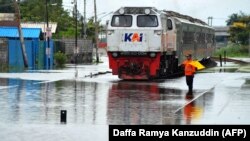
<point x="146" y="43"/>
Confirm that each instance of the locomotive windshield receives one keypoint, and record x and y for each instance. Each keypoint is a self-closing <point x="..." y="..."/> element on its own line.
<point x="121" y="21"/>
<point x="147" y="21"/>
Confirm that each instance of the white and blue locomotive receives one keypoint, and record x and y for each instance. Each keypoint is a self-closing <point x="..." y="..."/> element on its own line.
<point x="145" y="43"/>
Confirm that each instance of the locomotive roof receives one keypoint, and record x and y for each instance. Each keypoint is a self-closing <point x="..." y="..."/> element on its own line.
<point x="153" y="10"/>
<point x="186" y="19"/>
<point x="193" y="23"/>
<point x="181" y="16"/>
<point x="137" y="10"/>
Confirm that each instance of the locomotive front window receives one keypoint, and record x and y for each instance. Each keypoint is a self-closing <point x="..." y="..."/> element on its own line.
<point x="147" y="21"/>
<point x="121" y="21"/>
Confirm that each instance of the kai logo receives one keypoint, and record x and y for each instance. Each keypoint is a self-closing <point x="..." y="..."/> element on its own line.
<point x="133" y="37"/>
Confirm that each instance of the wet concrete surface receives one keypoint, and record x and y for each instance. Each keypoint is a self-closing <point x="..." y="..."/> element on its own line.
<point x="32" y="101"/>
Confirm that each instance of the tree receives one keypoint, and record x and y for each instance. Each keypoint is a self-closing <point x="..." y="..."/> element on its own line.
<point x="232" y="18"/>
<point x="91" y="28"/>
<point x="239" y="28"/>
<point x="35" y="11"/>
<point x="6" y="6"/>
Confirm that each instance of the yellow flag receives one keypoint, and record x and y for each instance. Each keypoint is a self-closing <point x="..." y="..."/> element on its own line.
<point x="197" y="64"/>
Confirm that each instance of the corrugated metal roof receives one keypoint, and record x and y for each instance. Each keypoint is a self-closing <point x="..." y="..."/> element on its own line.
<point x="12" y="32"/>
<point x="41" y="25"/>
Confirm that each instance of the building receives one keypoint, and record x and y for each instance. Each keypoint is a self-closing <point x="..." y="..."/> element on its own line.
<point x="35" y="48"/>
<point x="39" y="51"/>
<point x="221" y="35"/>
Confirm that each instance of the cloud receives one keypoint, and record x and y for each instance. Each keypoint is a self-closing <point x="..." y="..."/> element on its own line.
<point x="219" y="9"/>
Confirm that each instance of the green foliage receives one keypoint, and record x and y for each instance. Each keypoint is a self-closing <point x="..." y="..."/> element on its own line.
<point x="91" y="28"/>
<point x="60" y="59"/>
<point x="35" y="11"/>
<point x="233" y="50"/>
<point x="239" y="34"/>
<point x="6" y="6"/>
<point x="4" y="67"/>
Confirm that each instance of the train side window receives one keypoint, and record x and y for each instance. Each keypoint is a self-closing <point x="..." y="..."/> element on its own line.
<point x="169" y="24"/>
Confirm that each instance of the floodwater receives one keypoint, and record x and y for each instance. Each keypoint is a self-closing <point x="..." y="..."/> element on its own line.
<point x="31" y="102"/>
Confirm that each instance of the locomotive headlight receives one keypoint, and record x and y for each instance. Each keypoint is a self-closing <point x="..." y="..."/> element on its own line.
<point x="122" y="11"/>
<point x="152" y="54"/>
<point x="147" y="11"/>
<point x="114" y="54"/>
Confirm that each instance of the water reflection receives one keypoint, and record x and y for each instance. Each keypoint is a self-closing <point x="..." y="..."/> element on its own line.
<point x="196" y="108"/>
<point x="134" y="103"/>
<point x="39" y="102"/>
<point x="189" y="109"/>
<point x="246" y="85"/>
<point x="13" y="97"/>
<point x="143" y="103"/>
<point x="122" y="102"/>
<point x="228" y="69"/>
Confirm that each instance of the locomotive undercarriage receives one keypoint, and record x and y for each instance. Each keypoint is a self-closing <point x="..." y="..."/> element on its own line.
<point x="134" y="66"/>
<point x="134" y="69"/>
<point x="145" y="67"/>
<point x="169" y="66"/>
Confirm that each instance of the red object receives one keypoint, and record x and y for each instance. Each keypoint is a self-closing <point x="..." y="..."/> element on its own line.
<point x="134" y="67"/>
<point x="102" y="45"/>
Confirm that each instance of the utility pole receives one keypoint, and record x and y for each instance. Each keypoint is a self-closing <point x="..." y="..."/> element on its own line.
<point x="76" y="49"/>
<point x="96" y="33"/>
<point x="84" y="21"/>
<point x="76" y="32"/>
<point x="48" y="30"/>
<point x="249" y="45"/>
<point x="17" y="12"/>
<point x="210" y="21"/>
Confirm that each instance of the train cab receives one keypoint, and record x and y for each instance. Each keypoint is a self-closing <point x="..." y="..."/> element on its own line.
<point x="134" y="42"/>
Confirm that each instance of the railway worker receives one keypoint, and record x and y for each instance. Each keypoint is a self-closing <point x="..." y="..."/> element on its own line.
<point x="189" y="71"/>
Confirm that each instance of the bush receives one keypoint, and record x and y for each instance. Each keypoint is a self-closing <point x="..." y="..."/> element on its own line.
<point x="60" y="59"/>
<point x="233" y="50"/>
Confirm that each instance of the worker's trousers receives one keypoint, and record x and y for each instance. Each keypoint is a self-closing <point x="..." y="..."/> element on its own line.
<point x="189" y="80"/>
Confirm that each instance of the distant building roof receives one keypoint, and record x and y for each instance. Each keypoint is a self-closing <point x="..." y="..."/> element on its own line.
<point x="221" y="30"/>
<point x="42" y="25"/>
<point x="12" y="32"/>
<point x="222" y="34"/>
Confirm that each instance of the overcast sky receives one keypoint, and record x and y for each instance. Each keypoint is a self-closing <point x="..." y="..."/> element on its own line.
<point x="201" y="9"/>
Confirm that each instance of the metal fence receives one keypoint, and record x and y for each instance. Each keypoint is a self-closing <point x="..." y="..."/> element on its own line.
<point x="3" y="53"/>
<point x="80" y="54"/>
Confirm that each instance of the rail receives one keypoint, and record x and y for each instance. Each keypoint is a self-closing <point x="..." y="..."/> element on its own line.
<point x="230" y="60"/>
